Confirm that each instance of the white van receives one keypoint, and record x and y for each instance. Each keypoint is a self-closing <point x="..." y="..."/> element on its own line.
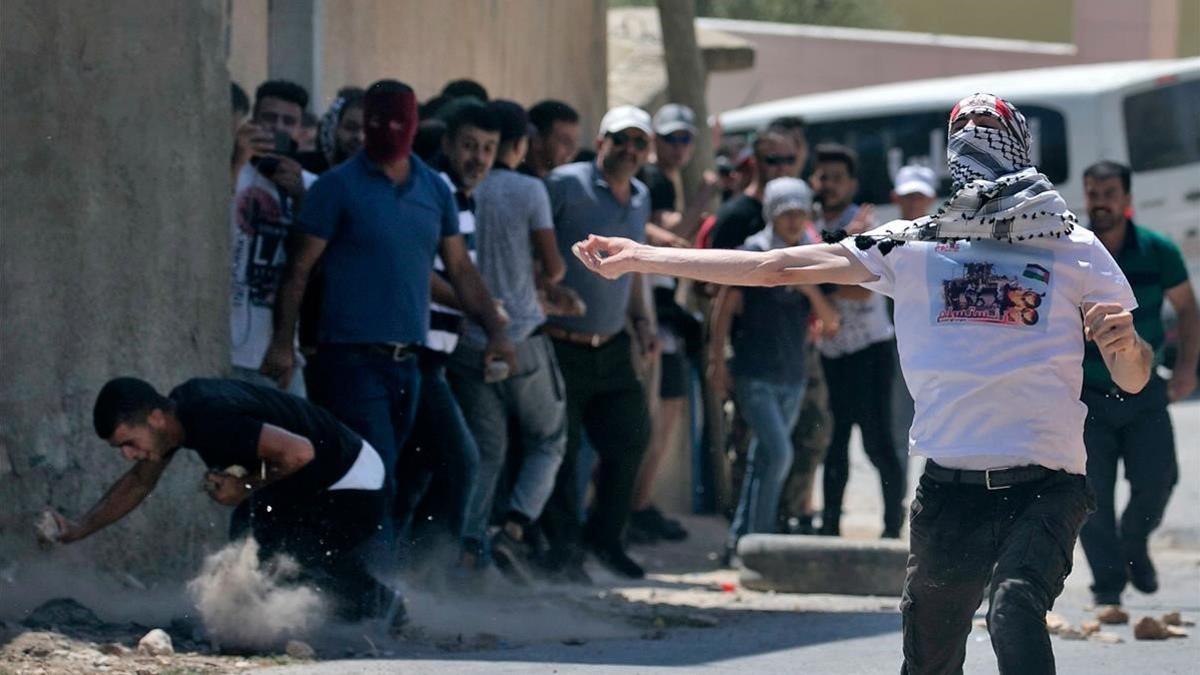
<point x="1145" y="114"/>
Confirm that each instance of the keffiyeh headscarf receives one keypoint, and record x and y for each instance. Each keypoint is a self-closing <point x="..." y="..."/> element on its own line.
<point x="999" y="194"/>
<point x="327" y="128"/>
<point x="978" y="152"/>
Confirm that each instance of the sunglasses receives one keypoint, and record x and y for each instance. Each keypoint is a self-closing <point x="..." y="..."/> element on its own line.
<point x="779" y="160"/>
<point x="680" y="138"/>
<point x="621" y="138"/>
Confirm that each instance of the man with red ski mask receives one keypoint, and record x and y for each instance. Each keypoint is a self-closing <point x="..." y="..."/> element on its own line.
<point x="376" y="222"/>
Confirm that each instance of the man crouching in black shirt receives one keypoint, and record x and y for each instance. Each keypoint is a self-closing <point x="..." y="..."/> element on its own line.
<point x="303" y="483"/>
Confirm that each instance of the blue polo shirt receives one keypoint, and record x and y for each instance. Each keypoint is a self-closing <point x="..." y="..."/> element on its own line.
<point x="382" y="241"/>
<point x="582" y="204"/>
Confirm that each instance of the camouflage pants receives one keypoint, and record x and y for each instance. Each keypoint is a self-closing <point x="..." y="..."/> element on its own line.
<point x="810" y="439"/>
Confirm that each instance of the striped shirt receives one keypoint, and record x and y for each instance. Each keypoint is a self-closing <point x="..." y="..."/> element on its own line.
<point x="446" y="323"/>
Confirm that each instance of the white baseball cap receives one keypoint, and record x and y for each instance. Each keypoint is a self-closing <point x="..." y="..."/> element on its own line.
<point x="625" y="117"/>
<point x="912" y="179"/>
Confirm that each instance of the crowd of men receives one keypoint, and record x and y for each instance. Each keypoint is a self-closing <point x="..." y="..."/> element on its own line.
<point x="419" y="359"/>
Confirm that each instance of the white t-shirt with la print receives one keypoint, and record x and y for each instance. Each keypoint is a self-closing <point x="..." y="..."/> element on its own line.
<point x="990" y="336"/>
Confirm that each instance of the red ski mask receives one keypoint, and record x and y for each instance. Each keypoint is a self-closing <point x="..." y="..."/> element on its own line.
<point x="390" y="114"/>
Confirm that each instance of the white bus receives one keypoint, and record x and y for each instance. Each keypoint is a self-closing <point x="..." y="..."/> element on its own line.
<point x="1145" y="114"/>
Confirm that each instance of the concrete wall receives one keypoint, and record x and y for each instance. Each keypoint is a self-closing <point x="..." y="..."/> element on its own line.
<point x="792" y="60"/>
<point x="797" y="60"/>
<point x="525" y="50"/>
<point x="114" y="259"/>
<point x="248" y="42"/>
<point x="1045" y="20"/>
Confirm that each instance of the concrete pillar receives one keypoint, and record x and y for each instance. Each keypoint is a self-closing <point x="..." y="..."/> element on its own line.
<point x="114" y="255"/>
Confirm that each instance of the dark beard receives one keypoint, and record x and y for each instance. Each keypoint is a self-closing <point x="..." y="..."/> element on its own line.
<point x="1103" y="221"/>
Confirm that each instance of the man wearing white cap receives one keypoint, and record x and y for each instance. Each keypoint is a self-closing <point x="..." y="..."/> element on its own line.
<point x="603" y="394"/>
<point x="915" y="192"/>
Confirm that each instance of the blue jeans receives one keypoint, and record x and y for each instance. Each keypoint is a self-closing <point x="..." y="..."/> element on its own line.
<point x="771" y="410"/>
<point x="535" y="397"/>
<point x="440" y="460"/>
<point x="376" y="396"/>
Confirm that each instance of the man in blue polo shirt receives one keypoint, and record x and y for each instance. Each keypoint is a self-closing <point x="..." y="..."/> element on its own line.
<point x="376" y="222"/>
<point x="604" y="397"/>
<point x="1134" y="429"/>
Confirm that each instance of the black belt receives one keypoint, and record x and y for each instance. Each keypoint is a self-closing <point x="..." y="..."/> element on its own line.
<point x="396" y="351"/>
<point x="994" y="479"/>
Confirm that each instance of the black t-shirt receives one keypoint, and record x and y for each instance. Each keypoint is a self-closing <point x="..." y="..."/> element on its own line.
<point x="313" y="161"/>
<point x="662" y="190"/>
<point x="222" y="420"/>
<point x="737" y="219"/>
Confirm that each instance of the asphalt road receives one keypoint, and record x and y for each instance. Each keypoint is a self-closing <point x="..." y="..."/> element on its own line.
<point x="754" y="632"/>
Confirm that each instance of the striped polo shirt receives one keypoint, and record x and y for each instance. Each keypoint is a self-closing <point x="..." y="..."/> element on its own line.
<point x="446" y="323"/>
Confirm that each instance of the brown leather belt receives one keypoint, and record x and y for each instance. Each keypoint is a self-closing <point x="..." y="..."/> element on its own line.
<point x="592" y="340"/>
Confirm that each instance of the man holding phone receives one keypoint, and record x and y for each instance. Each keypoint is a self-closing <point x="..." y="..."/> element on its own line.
<point x="269" y="186"/>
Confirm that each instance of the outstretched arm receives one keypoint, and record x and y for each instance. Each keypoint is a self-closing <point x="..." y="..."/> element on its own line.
<point x="611" y="257"/>
<point x="123" y="497"/>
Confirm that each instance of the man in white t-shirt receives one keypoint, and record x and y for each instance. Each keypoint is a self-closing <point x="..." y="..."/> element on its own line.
<point x="267" y="192"/>
<point x="995" y="295"/>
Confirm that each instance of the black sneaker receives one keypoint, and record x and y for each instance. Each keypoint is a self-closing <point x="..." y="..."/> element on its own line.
<point x="1141" y="570"/>
<point x="641" y="528"/>
<point x="511" y="556"/>
<point x="615" y="559"/>
<point x="573" y="573"/>
<point x="669" y="528"/>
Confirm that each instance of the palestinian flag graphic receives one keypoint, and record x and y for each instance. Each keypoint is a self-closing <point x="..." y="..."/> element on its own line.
<point x="1037" y="273"/>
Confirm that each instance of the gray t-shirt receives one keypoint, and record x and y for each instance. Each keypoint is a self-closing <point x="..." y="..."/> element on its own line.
<point x="582" y="204"/>
<point x="508" y="207"/>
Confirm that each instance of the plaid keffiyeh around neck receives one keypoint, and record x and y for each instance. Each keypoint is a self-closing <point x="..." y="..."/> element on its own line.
<point x="1015" y="207"/>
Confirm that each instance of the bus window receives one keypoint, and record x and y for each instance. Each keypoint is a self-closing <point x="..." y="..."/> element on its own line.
<point x="1162" y="127"/>
<point x="884" y="144"/>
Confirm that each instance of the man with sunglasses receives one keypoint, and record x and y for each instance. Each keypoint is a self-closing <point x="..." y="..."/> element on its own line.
<point x="604" y="397"/>
<point x="775" y="156"/>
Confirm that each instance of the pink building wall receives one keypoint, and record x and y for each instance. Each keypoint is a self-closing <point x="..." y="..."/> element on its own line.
<point x="792" y="60"/>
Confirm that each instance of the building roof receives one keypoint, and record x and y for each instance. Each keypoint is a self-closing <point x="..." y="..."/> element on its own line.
<point x="1018" y="86"/>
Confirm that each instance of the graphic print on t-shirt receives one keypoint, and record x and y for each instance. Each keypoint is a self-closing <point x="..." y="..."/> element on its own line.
<point x="1008" y="287"/>
<point x="264" y="224"/>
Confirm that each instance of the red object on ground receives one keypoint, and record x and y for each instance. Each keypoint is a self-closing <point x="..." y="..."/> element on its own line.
<point x="728" y="587"/>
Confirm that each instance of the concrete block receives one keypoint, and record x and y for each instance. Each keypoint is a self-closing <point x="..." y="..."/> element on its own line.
<point x="806" y="564"/>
